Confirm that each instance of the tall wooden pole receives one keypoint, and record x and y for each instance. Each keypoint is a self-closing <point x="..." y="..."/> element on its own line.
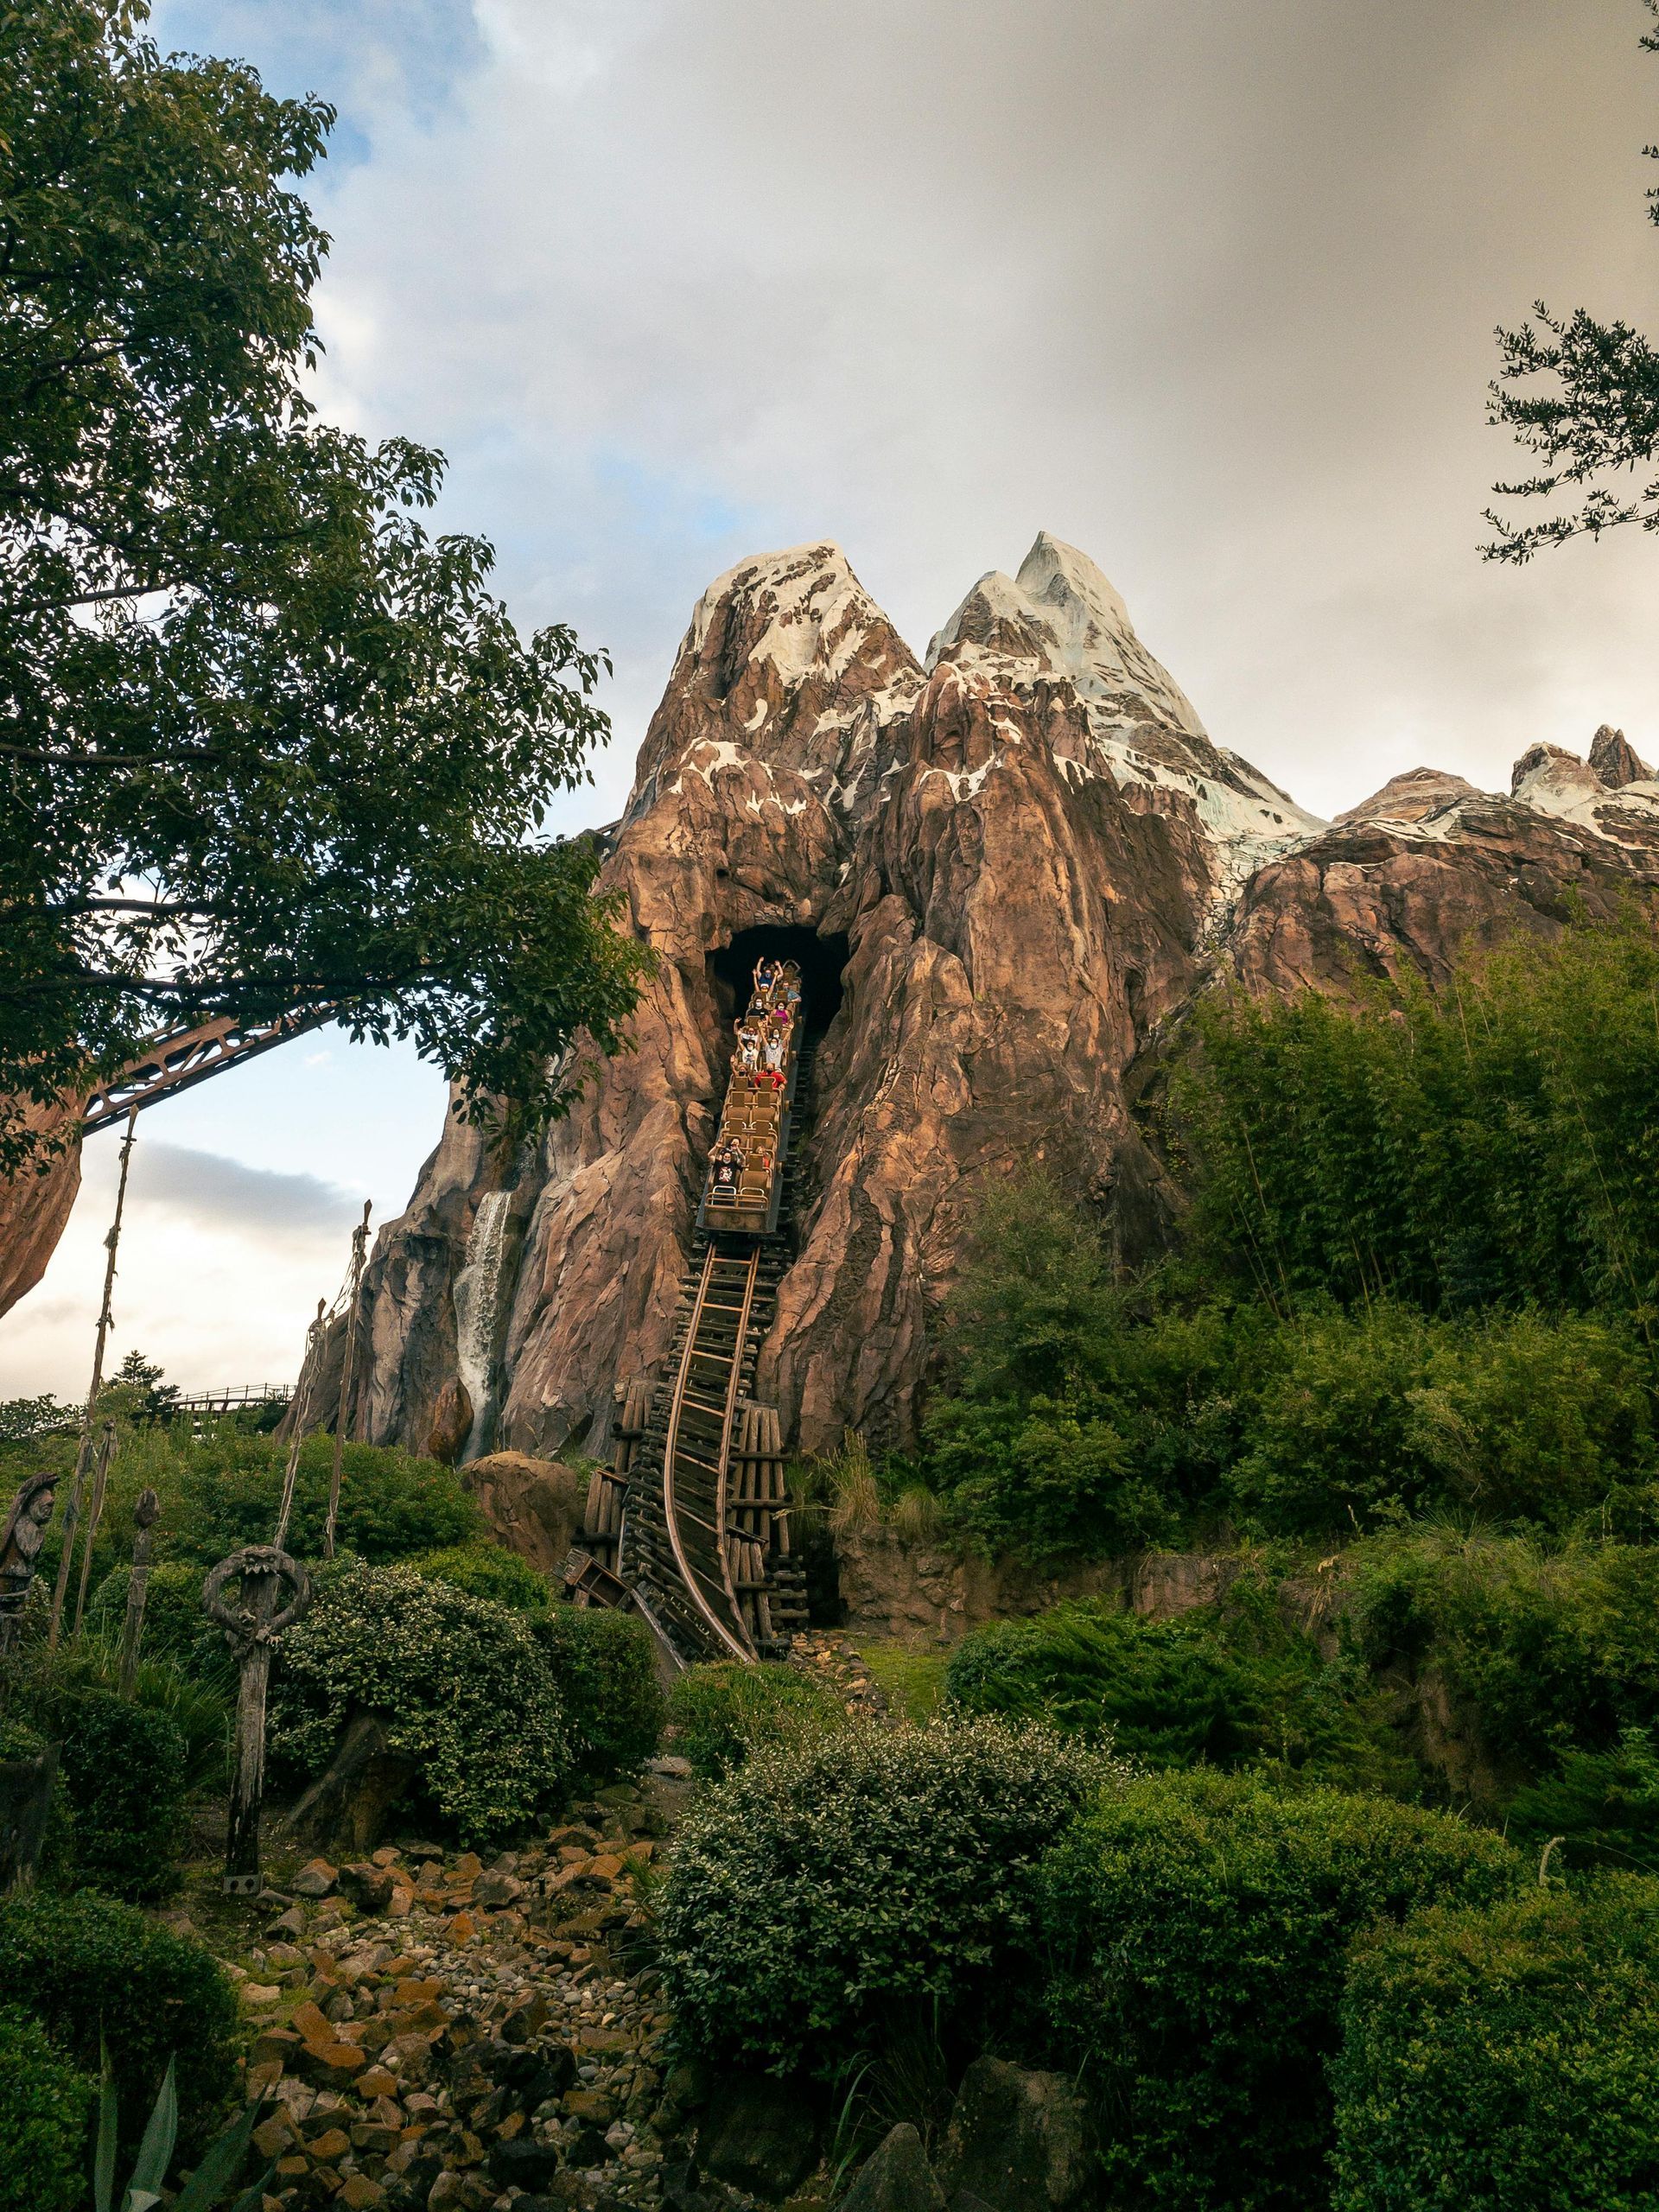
<point x="301" y="1408"/>
<point x="132" y="1633"/>
<point x="94" y="1515"/>
<point x="252" y="1627"/>
<point x="347" y="1375"/>
<point x="83" y="1458"/>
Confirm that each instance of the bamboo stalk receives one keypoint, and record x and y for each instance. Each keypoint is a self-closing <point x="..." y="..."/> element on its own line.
<point x="347" y="1374"/>
<point x="302" y="1406"/>
<point x="83" y="1457"/>
<point x="143" y="1519"/>
<point x="94" y="1515"/>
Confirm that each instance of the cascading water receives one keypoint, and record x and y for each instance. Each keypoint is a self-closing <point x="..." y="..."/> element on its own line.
<point x="483" y="1294"/>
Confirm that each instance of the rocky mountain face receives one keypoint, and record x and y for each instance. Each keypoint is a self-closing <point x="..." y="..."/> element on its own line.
<point x="1003" y="870"/>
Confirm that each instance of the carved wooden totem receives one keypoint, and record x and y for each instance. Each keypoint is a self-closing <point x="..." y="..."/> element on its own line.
<point x="253" y="1623"/>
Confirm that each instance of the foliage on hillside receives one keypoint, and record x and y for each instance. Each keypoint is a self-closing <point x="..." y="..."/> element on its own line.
<point x="1420" y="1274"/>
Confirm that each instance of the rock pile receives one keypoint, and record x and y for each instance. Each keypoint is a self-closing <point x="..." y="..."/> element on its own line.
<point x="831" y="1660"/>
<point x="434" y="2031"/>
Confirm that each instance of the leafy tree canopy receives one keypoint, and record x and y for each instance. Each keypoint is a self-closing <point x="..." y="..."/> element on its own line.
<point x="269" y="744"/>
<point x="1592" y="419"/>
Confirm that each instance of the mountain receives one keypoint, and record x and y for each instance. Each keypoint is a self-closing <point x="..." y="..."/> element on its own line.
<point x="1005" y="871"/>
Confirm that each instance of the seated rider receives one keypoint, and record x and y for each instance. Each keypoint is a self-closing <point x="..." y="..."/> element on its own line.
<point x="747" y="1058"/>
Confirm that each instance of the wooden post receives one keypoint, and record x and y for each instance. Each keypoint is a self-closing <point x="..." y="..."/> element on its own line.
<point x="94" y="1515"/>
<point x="83" y="1458"/>
<point x="347" y="1373"/>
<point x="252" y="1627"/>
<point x="132" y="1633"/>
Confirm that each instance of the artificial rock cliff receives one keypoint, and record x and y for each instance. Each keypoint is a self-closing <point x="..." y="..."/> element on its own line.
<point x="1005" y="869"/>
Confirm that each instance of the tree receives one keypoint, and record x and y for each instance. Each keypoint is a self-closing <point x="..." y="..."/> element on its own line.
<point x="1597" y="417"/>
<point x="269" y="745"/>
<point x="147" y="1397"/>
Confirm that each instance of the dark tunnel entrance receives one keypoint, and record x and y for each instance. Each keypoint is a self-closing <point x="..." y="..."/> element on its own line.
<point x="821" y="960"/>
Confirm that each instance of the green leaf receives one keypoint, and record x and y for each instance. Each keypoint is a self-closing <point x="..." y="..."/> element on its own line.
<point x="103" y="2156"/>
<point x="221" y="2165"/>
<point x="251" y="2197"/>
<point x="156" y="2151"/>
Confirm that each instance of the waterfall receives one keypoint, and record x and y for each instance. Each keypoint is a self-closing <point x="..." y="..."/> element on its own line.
<point x="483" y="1293"/>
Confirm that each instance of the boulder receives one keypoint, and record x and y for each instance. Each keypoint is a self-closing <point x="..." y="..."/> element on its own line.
<point x="896" y="2177"/>
<point x="524" y="2164"/>
<point x="347" y="1808"/>
<point x="758" y="2134"/>
<point x="367" y="1886"/>
<point x="533" y="1506"/>
<point x="1017" y="2139"/>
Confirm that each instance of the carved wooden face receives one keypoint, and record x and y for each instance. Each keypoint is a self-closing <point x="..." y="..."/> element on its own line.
<point x="40" y="1507"/>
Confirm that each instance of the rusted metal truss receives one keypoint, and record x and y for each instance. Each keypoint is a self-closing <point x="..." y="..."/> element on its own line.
<point x="190" y="1055"/>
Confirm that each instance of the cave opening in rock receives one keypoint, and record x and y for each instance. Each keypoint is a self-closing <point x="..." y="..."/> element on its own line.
<point x="821" y="960"/>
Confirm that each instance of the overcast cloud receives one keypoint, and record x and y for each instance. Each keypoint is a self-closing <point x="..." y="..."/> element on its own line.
<point x="1207" y="287"/>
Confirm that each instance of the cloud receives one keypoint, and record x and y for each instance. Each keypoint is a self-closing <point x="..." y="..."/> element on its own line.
<point x="215" y="1192"/>
<point x="220" y="1268"/>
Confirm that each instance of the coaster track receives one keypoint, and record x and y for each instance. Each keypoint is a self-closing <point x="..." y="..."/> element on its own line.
<point x="689" y="1525"/>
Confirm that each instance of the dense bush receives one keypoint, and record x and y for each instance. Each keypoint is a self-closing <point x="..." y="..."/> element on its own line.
<point x="1356" y="1416"/>
<point x="487" y="1570"/>
<point x="463" y="1685"/>
<point x="1490" y="1145"/>
<point x="1228" y="1684"/>
<point x="723" y="1713"/>
<point x="176" y="1626"/>
<point x="1418" y="1274"/>
<point x="43" y="2107"/>
<point x="605" y="1668"/>
<point x="827" y="1880"/>
<point x="1539" y="1653"/>
<point x="220" y="1491"/>
<point x="1602" y="1808"/>
<point x="1197" y="1924"/>
<point x="86" y="1966"/>
<point x="1079" y="1417"/>
<point x="1027" y="1441"/>
<point x="1505" y="2059"/>
<point x="123" y="1768"/>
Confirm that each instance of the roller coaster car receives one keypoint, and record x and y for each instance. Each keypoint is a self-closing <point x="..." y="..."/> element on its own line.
<point x="746" y="1175"/>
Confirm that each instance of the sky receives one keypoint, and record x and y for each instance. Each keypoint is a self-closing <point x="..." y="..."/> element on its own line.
<point x="1207" y="288"/>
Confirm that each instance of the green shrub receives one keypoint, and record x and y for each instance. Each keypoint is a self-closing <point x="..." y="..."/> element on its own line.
<point x="488" y="1570"/>
<point x="1228" y="1684"/>
<point x="463" y="1685"/>
<point x="176" y="1627"/>
<point x="18" y="1740"/>
<point x="123" y="1768"/>
<point x="1539" y="1653"/>
<point x="1328" y="1439"/>
<point x="723" y="1713"/>
<point x="604" y="1664"/>
<point x="1602" y="1806"/>
<point x="85" y="1966"/>
<point x="1530" y="1418"/>
<point x="827" y="1880"/>
<point x="1492" y="1144"/>
<point x="43" y="2108"/>
<point x="220" y="1491"/>
<point x="1197" y="1924"/>
<point x="1026" y="1442"/>
<point x="1506" y="2058"/>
